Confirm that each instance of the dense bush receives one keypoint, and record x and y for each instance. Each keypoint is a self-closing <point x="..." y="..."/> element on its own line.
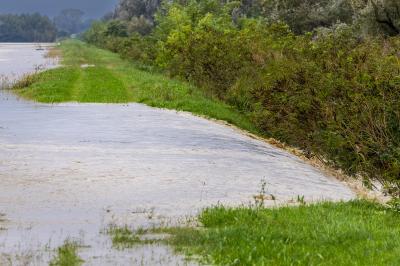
<point x="336" y="97"/>
<point x="333" y="93"/>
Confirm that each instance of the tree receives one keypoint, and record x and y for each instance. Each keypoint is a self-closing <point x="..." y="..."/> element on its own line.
<point x="69" y="21"/>
<point x="138" y="14"/>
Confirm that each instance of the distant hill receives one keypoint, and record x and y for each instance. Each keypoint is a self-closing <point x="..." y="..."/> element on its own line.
<point x="92" y="8"/>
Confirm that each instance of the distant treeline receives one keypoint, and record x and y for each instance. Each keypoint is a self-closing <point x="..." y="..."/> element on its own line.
<point x="38" y="28"/>
<point x="322" y="75"/>
<point x="26" y="28"/>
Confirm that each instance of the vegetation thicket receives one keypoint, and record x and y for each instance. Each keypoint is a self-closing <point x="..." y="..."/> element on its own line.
<point x="322" y="75"/>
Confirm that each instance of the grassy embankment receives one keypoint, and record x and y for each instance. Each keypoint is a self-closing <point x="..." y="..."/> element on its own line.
<point x="113" y="80"/>
<point x="353" y="233"/>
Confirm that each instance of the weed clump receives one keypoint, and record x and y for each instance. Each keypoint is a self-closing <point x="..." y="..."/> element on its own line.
<point x="67" y="255"/>
<point x="123" y="237"/>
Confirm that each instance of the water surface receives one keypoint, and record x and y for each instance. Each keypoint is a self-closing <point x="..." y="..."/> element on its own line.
<point x="17" y="59"/>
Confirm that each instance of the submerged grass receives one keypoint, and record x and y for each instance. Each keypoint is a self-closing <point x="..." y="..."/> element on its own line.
<point x="123" y="237"/>
<point x="106" y="78"/>
<point x="352" y="233"/>
<point x="67" y="255"/>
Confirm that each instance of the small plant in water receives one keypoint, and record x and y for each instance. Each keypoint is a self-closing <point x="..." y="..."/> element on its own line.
<point x="300" y="199"/>
<point x="123" y="237"/>
<point x="263" y="195"/>
<point x="67" y="255"/>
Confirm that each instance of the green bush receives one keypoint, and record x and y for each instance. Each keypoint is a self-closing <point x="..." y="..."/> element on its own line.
<point x="336" y="97"/>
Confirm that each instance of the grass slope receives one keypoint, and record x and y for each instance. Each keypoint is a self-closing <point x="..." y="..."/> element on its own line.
<point x="113" y="80"/>
<point x="352" y="233"/>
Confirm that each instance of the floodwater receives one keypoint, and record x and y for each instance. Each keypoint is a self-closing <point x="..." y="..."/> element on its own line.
<point x="70" y="170"/>
<point x="30" y="58"/>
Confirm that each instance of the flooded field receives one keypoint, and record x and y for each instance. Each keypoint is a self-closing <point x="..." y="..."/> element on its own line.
<point x="68" y="171"/>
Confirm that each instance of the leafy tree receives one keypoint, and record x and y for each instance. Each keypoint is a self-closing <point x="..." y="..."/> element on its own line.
<point x="70" y="21"/>
<point x="138" y="14"/>
<point x="116" y="28"/>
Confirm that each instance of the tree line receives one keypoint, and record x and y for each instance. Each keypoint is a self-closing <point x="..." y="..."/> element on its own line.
<point x="39" y="28"/>
<point x="26" y="28"/>
<point x="375" y="16"/>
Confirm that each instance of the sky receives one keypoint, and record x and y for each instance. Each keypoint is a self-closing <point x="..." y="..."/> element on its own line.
<point x="92" y="8"/>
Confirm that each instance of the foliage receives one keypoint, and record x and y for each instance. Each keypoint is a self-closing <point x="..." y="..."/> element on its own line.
<point x="116" y="28"/>
<point x="302" y="15"/>
<point x="26" y="28"/>
<point x="138" y="15"/>
<point x="128" y="9"/>
<point x="353" y="233"/>
<point x="336" y="97"/>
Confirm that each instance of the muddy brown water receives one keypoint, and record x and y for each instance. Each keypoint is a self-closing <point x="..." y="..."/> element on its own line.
<point x="67" y="171"/>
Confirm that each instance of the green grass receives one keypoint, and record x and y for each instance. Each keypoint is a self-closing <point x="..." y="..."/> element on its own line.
<point x="123" y="237"/>
<point x="114" y="80"/>
<point x="352" y="233"/>
<point x="67" y="255"/>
